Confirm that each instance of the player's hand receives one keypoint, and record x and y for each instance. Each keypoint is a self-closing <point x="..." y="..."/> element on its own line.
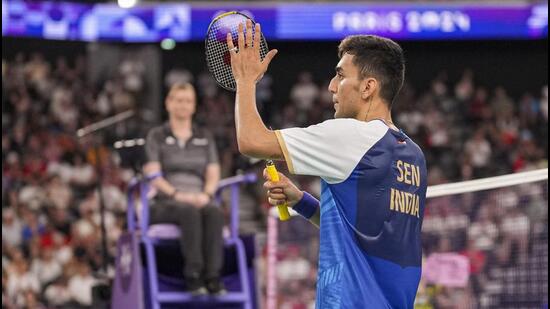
<point x="246" y="63"/>
<point x="282" y="191"/>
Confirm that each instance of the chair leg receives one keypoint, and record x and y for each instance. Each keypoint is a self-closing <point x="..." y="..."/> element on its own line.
<point x="243" y="273"/>
<point x="152" y="272"/>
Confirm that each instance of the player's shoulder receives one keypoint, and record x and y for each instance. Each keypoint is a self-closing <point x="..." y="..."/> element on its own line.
<point x="340" y="122"/>
<point x="354" y="124"/>
<point x="355" y="133"/>
<point x="416" y="146"/>
<point x="375" y="126"/>
<point x="417" y="149"/>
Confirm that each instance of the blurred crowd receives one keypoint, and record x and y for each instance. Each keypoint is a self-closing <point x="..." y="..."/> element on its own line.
<point x="51" y="238"/>
<point x="50" y="207"/>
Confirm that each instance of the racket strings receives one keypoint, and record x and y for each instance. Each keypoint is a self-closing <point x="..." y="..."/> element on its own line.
<point x="217" y="51"/>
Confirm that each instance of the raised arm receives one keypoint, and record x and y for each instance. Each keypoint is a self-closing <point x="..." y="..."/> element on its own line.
<point x="253" y="137"/>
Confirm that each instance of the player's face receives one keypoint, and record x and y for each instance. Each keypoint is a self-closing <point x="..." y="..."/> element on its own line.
<point x="181" y="103"/>
<point x="344" y="87"/>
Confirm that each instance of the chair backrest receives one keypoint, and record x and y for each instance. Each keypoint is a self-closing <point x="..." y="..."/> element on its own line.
<point x="142" y="186"/>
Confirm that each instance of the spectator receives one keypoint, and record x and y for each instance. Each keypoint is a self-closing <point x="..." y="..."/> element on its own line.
<point x="303" y="94"/>
<point x="293" y="266"/>
<point x="20" y="280"/>
<point x="454" y="298"/>
<point x="46" y="268"/>
<point x="31" y="300"/>
<point x="57" y="293"/>
<point x="58" y="193"/>
<point x="515" y="230"/>
<point x="465" y="87"/>
<point x="483" y="231"/>
<point x="12" y="229"/>
<point x="80" y="285"/>
<point x="478" y="152"/>
<point x="478" y="260"/>
<point x="32" y="226"/>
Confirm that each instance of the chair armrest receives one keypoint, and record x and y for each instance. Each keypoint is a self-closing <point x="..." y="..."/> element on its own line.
<point x="232" y="183"/>
<point x="226" y="182"/>
<point x="131" y="211"/>
<point x="141" y="186"/>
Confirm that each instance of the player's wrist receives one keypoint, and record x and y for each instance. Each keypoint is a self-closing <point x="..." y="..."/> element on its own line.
<point x="297" y="199"/>
<point x="246" y="83"/>
<point x="306" y="206"/>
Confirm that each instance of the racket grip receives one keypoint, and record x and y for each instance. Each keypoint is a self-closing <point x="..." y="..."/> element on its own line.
<point x="274" y="176"/>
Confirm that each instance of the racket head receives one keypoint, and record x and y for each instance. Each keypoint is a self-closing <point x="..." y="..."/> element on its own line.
<point x="218" y="57"/>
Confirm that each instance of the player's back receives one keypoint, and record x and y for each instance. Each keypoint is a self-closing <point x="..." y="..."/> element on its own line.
<point x="370" y="223"/>
<point x="372" y="203"/>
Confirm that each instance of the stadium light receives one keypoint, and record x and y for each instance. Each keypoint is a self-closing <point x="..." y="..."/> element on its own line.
<point x="168" y="44"/>
<point x="126" y="4"/>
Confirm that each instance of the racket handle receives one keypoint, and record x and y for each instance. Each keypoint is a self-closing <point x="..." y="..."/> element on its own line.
<point x="274" y="176"/>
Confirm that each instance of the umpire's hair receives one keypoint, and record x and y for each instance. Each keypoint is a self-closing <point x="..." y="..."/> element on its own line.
<point x="181" y="86"/>
<point x="377" y="57"/>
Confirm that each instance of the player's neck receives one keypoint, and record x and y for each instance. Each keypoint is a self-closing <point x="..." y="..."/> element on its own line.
<point x="377" y="110"/>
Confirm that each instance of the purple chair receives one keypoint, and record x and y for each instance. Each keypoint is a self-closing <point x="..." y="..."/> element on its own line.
<point x="159" y="232"/>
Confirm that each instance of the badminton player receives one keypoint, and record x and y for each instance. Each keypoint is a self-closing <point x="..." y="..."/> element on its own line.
<point x="373" y="175"/>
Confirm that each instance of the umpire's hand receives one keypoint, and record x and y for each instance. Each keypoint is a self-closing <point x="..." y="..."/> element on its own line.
<point x="282" y="191"/>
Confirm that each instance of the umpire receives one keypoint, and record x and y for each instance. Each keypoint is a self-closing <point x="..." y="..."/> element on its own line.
<point x="182" y="162"/>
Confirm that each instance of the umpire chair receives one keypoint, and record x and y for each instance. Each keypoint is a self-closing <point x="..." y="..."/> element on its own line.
<point x="159" y="289"/>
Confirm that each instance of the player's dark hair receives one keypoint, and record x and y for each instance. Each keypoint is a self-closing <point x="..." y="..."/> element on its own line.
<point x="377" y="57"/>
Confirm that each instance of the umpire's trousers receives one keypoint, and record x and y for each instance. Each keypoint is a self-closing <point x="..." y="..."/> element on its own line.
<point x="201" y="234"/>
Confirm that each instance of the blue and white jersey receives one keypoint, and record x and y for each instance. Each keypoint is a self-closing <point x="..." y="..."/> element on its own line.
<point x="374" y="183"/>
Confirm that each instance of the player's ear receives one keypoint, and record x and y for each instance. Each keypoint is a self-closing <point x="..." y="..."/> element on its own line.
<point x="368" y="87"/>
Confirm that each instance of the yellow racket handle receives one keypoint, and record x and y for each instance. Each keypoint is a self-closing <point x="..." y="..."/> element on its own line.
<point x="274" y="176"/>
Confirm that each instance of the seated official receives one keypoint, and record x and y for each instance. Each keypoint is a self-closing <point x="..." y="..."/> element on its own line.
<point x="182" y="162"/>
